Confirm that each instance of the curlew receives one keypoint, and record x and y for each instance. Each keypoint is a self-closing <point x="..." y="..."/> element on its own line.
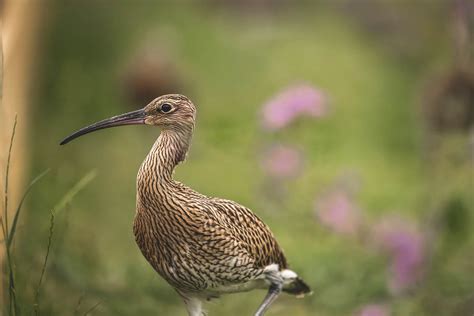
<point x="202" y="246"/>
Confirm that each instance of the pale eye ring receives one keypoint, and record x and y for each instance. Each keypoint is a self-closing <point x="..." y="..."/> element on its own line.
<point x="166" y="107"/>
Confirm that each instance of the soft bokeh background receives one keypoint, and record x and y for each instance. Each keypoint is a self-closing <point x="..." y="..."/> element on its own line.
<point x="347" y="127"/>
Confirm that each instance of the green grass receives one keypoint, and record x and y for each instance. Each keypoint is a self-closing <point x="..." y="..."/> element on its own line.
<point x="10" y="266"/>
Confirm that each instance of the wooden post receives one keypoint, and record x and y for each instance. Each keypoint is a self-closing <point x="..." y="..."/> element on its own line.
<point x="19" y="23"/>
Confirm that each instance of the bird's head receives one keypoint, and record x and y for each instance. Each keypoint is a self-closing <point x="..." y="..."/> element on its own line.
<point x="169" y="112"/>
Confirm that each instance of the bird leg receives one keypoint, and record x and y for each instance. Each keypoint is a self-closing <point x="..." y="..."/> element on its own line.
<point x="276" y="285"/>
<point x="193" y="304"/>
<point x="273" y="292"/>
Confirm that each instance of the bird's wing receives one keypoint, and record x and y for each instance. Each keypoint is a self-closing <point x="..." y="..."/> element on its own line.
<point x="252" y="233"/>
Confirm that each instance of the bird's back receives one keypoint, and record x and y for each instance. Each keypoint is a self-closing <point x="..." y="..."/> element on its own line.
<point x="252" y="231"/>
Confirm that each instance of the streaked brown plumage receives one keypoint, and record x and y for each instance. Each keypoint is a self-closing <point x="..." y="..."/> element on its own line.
<point x="202" y="246"/>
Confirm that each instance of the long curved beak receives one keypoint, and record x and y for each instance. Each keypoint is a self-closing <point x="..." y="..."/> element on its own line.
<point x="130" y="118"/>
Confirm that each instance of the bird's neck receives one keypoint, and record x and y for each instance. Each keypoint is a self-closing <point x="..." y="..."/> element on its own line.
<point x="168" y="151"/>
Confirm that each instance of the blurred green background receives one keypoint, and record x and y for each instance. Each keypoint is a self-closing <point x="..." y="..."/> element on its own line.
<point x="384" y="67"/>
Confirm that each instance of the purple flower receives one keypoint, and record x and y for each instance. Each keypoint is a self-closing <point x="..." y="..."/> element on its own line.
<point x="292" y="103"/>
<point x="336" y="210"/>
<point x="282" y="161"/>
<point x="374" y="310"/>
<point x="405" y="245"/>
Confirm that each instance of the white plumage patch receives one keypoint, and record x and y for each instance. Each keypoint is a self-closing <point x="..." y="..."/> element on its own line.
<point x="284" y="274"/>
<point x="271" y="268"/>
<point x="288" y="274"/>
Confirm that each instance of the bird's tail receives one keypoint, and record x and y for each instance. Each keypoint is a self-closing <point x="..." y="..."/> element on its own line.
<point x="292" y="284"/>
<point x="297" y="287"/>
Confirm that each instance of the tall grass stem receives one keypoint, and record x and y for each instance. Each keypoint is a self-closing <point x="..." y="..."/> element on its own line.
<point x="63" y="202"/>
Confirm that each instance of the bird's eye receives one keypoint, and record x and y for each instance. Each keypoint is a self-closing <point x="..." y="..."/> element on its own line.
<point x="165" y="107"/>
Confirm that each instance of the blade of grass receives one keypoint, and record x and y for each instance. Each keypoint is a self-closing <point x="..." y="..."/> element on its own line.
<point x="11" y="235"/>
<point x="79" y="302"/>
<point x="12" y="305"/>
<point x="65" y="200"/>
<point x="5" y="209"/>
<point x="45" y="262"/>
<point x="90" y="310"/>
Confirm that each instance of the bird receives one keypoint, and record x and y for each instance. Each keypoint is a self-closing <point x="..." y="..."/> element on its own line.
<point x="203" y="246"/>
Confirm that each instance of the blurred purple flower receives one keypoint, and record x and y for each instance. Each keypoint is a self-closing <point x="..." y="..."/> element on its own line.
<point x="405" y="245"/>
<point x="282" y="161"/>
<point x="374" y="310"/>
<point x="292" y="103"/>
<point x="336" y="210"/>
